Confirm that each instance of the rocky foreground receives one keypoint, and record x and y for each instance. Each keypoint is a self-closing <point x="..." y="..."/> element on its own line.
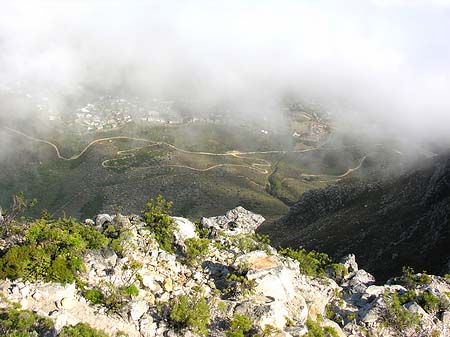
<point x="227" y="278"/>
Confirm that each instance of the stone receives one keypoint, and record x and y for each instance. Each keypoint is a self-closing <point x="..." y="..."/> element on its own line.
<point x="101" y="219"/>
<point x="256" y="260"/>
<point x="349" y="261"/>
<point x="68" y="303"/>
<point x="185" y="230"/>
<point x="415" y="308"/>
<point x="234" y="222"/>
<point x="121" y="221"/>
<point x="24" y="304"/>
<point x="165" y="297"/>
<point x="168" y="285"/>
<point x="371" y="316"/>
<point x="329" y="323"/>
<point x="264" y="314"/>
<point x="137" y="309"/>
<point x="89" y="222"/>
<point x="445" y="317"/>
<point x="149" y="280"/>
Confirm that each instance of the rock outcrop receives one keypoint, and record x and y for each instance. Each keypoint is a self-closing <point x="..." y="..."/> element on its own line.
<point x="237" y="274"/>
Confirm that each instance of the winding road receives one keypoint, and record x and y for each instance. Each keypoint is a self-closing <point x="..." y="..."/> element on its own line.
<point x="261" y="166"/>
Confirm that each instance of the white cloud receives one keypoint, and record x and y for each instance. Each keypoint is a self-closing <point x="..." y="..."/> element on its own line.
<point x="388" y="60"/>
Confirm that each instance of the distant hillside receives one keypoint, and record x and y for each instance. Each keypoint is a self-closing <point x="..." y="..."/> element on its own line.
<point x="387" y="223"/>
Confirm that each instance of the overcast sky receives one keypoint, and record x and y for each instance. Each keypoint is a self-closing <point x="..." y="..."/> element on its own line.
<point x="380" y="62"/>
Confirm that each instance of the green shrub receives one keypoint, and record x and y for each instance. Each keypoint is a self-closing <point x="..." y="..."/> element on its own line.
<point x="158" y="219"/>
<point x="201" y="231"/>
<point x="81" y="330"/>
<point x="238" y="285"/>
<point x="196" y="249"/>
<point x="239" y="325"/>
<point x="250" y="242"/>
<point x="52" y="251"/>
<point x="315" y="330"/>
<point x="95" y="296"/>
<point x="192" y="313"/>
<point x="22" y="323"/>
<point x="312" y="263"/>
<point x="432" y="304"/>
<point x="19" y="205"/>
<point x="395" y="315"/>
<point x="411" y="280"/>
<point x="114" y="299"/>
<point x="131" y="290"/>
<point x="425" y="299"/>
<point x="337" y="271"/>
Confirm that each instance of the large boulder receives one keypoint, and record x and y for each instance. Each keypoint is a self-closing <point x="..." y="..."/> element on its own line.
<point x="234" y="222"/>
<point x="185" y="230"/>
<point x="101" y="219"/>
<point x="264" y="314"/>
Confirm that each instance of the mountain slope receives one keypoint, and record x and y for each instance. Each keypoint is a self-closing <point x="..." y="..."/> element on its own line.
<point x="389" y="223"/>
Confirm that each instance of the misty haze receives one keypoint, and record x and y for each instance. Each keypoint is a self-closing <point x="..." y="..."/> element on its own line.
<point x="328" y="119"/>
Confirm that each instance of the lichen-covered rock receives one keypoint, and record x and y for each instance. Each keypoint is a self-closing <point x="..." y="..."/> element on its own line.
<point x="136" y="285"/>
<point x="234" y="222"/>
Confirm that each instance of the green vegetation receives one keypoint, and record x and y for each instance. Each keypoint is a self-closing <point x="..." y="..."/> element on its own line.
<point x="237" y="284"/>
<point x="201" y="231"/>
<point x="111" y="297"/>
<point x="426" y="300"/>
<point x="158" y="219"/>
<point x="196" y="249"/>
<point x="316" y="330"/>
<point x="81" y="330"/>
<point x="312" y="263"/>
<point x="411" y="280"/>
<point x="396" y="316"/>
<point x="250" y="242"/>
<point x="337" y="271"/>
<point x="239" y="326"/>
<point x="192" y="313"/>
<point x="116" y="234"/>
<point x="52" y="251"/>
<point x="23" y="323"/>
<point x="95" y="296"/>
<point x="19" y="205"/>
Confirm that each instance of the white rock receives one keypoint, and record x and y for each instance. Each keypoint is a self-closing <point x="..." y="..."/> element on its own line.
<point x="89" y="222"/>
<point x="446" y="317"/>
<point x="186" y="230"/>
<point x="102" y="218"/>
<point x="235" y="221"/>
<point x="149" y="280"/>
<point x="68" y="303"/>
<point x="415" y="308"/>
<point x="137" y="309"/>
<point x="349" y="261"/>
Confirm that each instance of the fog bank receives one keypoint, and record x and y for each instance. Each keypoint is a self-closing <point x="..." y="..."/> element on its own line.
<point x="379" y="65"/>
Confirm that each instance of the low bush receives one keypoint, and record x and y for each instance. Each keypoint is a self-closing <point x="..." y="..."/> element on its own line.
<point x="316" y="330"/>
<point x="237" y="284"/>
<point x="196" y="249"/>
<point x="396" y="316"/>
<point x="18" y="323"/>
<point x="337" y="271"/>
<point x="239" y="326"/>
<point x="52" y="251"/>
<point x="312" y="263"/>
<point x="114" y="299"/>
<point x="411" y="280"/>
<point x="158" y="219"/>
<point x="192" y="313"/>
<point x="81" y="330"/>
